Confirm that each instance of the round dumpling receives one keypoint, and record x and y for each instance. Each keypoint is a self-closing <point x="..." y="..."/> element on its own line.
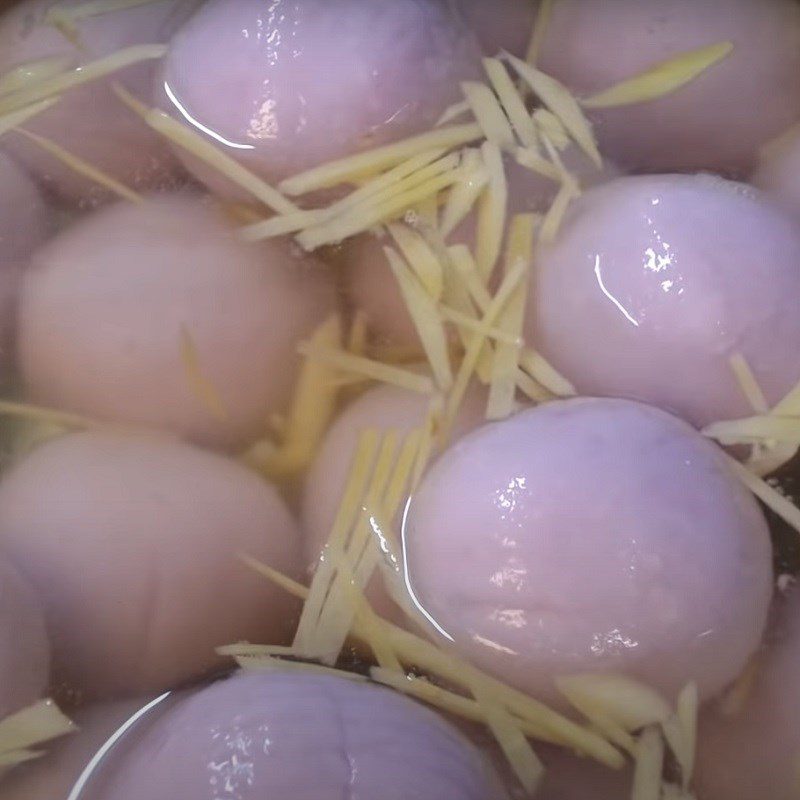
<point x="24" y="649"/>
<point x="718" y="121"/>
<point x="591" y="535"/>
<point x="302" y="737"/>
<point x="131" y="541"/>
<point x="108" y="306"/>
<point x="655" y="282"/>
<point x="90" y="121"/>
<point x="285" y="86"/>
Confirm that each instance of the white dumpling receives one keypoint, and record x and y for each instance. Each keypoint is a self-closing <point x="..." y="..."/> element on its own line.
<point x="131" y="541"/>
<point x="717" y="122"/>
<point x="106" y="307"/>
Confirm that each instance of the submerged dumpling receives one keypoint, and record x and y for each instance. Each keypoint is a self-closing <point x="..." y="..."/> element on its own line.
<point x="131" y="541"/>
<point x="717" y="122"/>
<point x="108" y="306"/>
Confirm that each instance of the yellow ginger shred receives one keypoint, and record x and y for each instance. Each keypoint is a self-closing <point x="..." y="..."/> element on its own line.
<point x="370" y="624"/>
<point x="427" y="320"/>
<point x="367" y="368"/>
<point x="358" y="335"/>
<point x="662" y="78"/>
<point x="560" y="102"/>
<point x="783" y="507"/>
<point x="187" y="139"/>
<point x="766" y="454"/>
<point x="548" y="124"/>
<point x="394" y="204"/>
<point x="557" y="211"/>
<point x="749" y="430"/>
<point x="458" y="307"/>
<point x="532" y="389"/>
<point x="282" y="224"/>
<point x="14" y="119"/>
<point x="426" y="213"/>
<point x="456" y="396"/>
<point x="61" y="13"/>
<point x="305" y="636"/>
<point x="533" y="160"/>
<point x="734" y="700"/>
<point x="91" y="71"/>
<point x="540" y="27"/>
<point x="507" y="731"/>
<point x="512" y="102"/>
<point x="421" y="258"/>
<point x="201" y="386"/>
<point x="649" y="766"/>
<point x="535" y="365"/>
<point x="313" y="408"/>
<point x="82" y="167"/>
<point x="492" y="208"/>
<point x="748" y="383"/>
<point x="452" y="112"/>
<point x="341" y="551"/>
<point x="789" y="406"/>
<point x="471" y="323"/>
<point x="50" y="416"/>
<point x="466" y="269"/>
<point x="503" y="386"/>
<point x="463" y="195"/>
<point x="32" y="72"/>
<point x="426" y="447"/>
<point x="631" y="704"/>
<point x="686" y="718"/>
<point x="30" y="727"/>
<point x="371" y="538"/>
<point x="266" y="663"/>
<point x="489" y="114"/>
<point x="372" y="190"/>
<point x="373" y="161"/>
